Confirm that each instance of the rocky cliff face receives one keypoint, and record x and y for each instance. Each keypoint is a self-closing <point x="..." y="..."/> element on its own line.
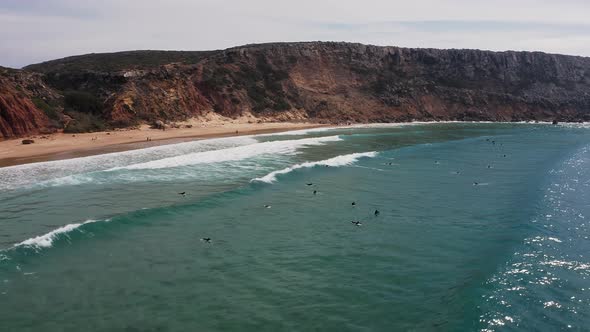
<point x="332" y="82"/>
<point x="19" y="116"/>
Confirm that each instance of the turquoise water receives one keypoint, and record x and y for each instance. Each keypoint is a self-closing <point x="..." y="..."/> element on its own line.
<point x="482" y="227"/>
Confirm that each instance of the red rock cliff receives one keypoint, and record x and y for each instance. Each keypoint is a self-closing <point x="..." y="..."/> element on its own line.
<point x="318" y="81"/>
<point x="18" y="114"/>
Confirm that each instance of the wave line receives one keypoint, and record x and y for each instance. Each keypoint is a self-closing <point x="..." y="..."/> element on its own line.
<point x="342" y="160"/>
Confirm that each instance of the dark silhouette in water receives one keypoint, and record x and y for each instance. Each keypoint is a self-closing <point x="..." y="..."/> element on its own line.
<point x="268" y="206"/>
<point x="182" y="193"/>
<point x="315" y="192"/>
<point x="353" y="203"/>
<point x="475" y="183"/>
<point x="377" y="213"/>
<point x="206" y="239"/>
<point x="357" y="223"/>
<point x="489" y="166"/>
<point x="310" y="184"/>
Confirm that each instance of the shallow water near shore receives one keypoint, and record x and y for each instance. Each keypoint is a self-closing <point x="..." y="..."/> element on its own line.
<point x="481" y="227"/>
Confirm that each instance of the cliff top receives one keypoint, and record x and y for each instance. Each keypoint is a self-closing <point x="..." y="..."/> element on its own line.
<point x="147" y="59"/>
<point x="110" y="62"/>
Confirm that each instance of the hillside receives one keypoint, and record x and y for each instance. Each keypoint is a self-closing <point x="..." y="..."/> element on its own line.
<point x="109" y="62"/>
<point x="22" y="96"/>
<point x="318" y="81"/>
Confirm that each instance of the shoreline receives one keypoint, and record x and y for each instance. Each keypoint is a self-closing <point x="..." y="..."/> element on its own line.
<point x="61" y="146"/>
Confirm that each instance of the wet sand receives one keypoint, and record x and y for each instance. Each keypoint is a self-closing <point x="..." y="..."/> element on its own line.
<point x="64" y="146"/>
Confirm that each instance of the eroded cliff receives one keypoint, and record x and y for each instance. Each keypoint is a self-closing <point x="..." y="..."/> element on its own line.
<point x="321" y="81"/>
<point x="22" y="94"/>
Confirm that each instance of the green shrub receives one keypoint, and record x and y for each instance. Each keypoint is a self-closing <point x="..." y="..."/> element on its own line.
<point x="256" y="93"/>
<point x="263" y="84"/>
<point x="49" y="110"/>
<point x="109" y="62"/>
<point x="216" y="79"/>
<point x="281" y="105"/>
<point x="82" y="102"/>
<point x="84" y="122"/>
<point x="127" y="123"/>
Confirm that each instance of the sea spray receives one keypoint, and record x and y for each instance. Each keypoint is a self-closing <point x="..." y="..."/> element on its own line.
<point x="232" y="154"/>
<point x="343" y="160"/>
<point x="46" y="240"/>
<point x="17" y="177"/>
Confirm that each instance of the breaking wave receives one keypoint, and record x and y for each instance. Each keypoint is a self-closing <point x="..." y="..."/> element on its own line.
<point x="73" y="171"/>
<point x="46" y="240"/>
<point x="231" y="154"/>
<point x="343" y="160"/>
<point x="300" y="132"/>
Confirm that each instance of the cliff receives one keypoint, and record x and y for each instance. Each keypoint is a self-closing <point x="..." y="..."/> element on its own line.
<point x="321" y="81"/>
<point x="21" y="96"/>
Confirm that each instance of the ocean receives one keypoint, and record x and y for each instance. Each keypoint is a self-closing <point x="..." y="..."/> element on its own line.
<point x="460" y="227"/>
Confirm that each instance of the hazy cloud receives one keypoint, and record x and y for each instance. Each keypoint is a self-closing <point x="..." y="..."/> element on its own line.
<point x="38" y="30"/>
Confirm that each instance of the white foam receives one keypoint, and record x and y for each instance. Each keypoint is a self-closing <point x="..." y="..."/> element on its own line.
<point x="554" y="239"/>
<point x="343" y="160"/>
<point x="46" y="240"/>
<point x="367" y="125"/>
<point x="232" y="154"/>
<point x="550" y="304"/>
<point x="584" y="125"/>
<point x="411" y="123"/>
<point x="51" y="172"/>
<point x="300" y="131"/>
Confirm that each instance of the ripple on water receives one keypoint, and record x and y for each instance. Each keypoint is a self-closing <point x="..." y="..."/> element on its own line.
<point x="544" y="285"/>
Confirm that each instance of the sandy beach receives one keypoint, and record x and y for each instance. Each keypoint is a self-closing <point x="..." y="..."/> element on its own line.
<point x="63" y="146"/>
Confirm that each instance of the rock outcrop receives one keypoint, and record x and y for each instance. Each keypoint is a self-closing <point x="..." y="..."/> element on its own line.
<point x="324" y="82"/>
<point x="19" y="116"/>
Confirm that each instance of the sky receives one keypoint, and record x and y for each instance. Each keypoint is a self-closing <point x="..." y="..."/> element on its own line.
<point x="33" y="31"/>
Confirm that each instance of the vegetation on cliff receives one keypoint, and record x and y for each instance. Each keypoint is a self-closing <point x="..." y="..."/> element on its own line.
<point x="326" y="82"/>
